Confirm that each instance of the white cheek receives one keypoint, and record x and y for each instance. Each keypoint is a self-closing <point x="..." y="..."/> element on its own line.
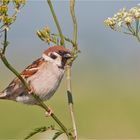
<point x="58" y="61"/>
<point x="47" y="58"/>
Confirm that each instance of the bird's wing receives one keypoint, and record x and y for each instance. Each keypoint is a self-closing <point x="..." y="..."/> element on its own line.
<point x="16" y="88"/>
<point x="32" y="69"/>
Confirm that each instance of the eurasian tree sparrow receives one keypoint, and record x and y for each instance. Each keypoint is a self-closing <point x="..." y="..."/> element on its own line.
<point x="43" y="75"/>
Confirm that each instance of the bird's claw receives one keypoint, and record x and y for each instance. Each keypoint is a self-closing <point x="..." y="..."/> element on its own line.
<point x="49" y="113"/>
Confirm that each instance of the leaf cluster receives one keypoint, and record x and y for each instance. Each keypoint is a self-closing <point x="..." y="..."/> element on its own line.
<point x="7" y="19"/>
<point x="44" y="129"/>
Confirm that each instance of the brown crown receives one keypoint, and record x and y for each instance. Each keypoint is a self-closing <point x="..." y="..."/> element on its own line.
<point x="56" y="49"/>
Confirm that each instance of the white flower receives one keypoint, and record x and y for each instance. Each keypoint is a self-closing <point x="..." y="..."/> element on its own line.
<point x="120" y="23"/>
<point x="128" y="20"/>
<point x="133" y="10"/>
<point x="137" y="15"/>
<point x="110" y="22"/>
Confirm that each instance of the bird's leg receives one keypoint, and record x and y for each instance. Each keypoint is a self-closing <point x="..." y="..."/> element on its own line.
<point x="49" y="112"/>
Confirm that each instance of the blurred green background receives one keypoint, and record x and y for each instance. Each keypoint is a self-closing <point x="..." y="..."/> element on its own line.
<point x="105" y="77"/>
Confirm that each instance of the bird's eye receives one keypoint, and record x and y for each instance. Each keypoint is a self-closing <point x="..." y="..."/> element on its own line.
<point x="53" y="56"/>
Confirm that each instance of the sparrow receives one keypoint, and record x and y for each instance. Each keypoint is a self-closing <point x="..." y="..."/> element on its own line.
<point x="43" y="76"/>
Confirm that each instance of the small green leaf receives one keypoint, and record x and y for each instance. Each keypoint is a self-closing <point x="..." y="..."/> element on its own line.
<point x="57" y="134"/>
<point x="39" y="130"/>
<point x="40" y="35"/>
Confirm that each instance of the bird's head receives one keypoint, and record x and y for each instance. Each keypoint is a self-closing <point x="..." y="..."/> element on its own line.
<point x="57" y="55"/>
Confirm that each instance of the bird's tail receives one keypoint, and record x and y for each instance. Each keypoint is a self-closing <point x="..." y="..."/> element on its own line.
<point x="3" y="95"/>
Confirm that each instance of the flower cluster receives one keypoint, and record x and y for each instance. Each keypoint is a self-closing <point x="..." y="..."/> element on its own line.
<point x="125" y="20"/>
<point x="5" y="18"/>
<point x="45" y="35"/>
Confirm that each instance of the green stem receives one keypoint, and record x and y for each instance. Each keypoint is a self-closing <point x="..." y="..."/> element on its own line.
<point x="3" y="58"/>
<point x="62" y="42"/>
<point x="40" y="103"/>
<point x="137" y="26"/>
<point x="72" y="5"/>
<point x="68" y="70"/>
<point x="54" y="117"/>
<point x="138" y="38"/>
<point x="66" y="38"/>
<point x="130" y="28"/>
<point x="5" y="43"/>
<point x="25" y="84"/>
<point x="75" y="45"/>
<point x="70" y="100"/>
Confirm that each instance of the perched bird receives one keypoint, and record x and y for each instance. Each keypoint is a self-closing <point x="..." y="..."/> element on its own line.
<point x="43" y="76"/>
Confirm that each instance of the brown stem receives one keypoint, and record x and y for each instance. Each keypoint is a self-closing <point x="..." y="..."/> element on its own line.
<point x="68" y="69"/>
<point x="70" y="99"/>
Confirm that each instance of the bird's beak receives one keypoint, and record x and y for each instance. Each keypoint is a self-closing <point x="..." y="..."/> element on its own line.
<point x="67" y="56"/>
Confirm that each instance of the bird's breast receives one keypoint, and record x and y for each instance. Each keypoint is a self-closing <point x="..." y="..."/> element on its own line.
<point x="46" y="81"/>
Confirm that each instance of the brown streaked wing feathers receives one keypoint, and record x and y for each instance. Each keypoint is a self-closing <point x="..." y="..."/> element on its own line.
<point x="15" y="85"/>
<point x="33" y="68"/>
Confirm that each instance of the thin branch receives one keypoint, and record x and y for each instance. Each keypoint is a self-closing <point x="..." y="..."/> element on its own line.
<point x="54" y="117"/>
<point x="137" y="26"/>
<point x="66" y="38"/>
<point x="68" y="70"/>
<point x="5" y="61"/>
<point x="39" y="130"/>
<point x="25" y="84"/>
<point x="131" y="29"/>
<point x="72" y="5"/>
<point x="5" y="43"/>
<point x="68" y="67"/>
<point x="39" y="101"/>
<point x="70" y="100"/>
<point x="57" y="23"/>
<point x="138" y="38"/>
<point x="127" y="33"/>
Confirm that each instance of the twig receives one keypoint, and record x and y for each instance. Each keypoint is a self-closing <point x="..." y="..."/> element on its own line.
<point x="39" y="130"/>
<point x="68" y="67"/>
<point x="138" y="38"/>
<point x="39" y="101"/>
<point x="5" y="43"/>
<point x="68" y="70"/>
<point x="137" y="26"/>
<point x="25" y="84"/>
<point x="72" y="5"/>
<point x="66" y="38"/>
<point x="57" y="23"/>
<point x="70" y="99"/>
